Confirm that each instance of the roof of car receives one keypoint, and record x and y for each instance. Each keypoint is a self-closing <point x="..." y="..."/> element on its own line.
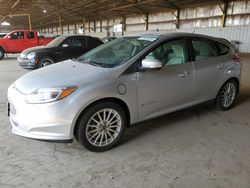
<point x="175" y="34"/>
<point x="165" y="35"/>
<point x="77" y="35"/>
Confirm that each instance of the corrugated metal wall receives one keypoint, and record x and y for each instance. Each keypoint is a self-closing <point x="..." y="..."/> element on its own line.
<point x="206" y="19"/>
<point x="241" y="34"/>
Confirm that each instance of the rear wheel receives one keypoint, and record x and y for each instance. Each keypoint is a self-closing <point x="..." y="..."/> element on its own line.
<point x="45" y="62"/>
<point x="101" y="127"/>
<point x="227" y="95"/>
<point x="1" y="53"/>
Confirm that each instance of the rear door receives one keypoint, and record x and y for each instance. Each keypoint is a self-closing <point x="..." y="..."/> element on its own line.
<point x="209" y="67"/>
<point x="30" y="40"/>
<point x="92" y="43"/>
<point x="82" y="46"/>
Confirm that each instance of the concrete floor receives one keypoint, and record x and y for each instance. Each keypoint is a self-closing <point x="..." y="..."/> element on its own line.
<point x="193" y="148"/>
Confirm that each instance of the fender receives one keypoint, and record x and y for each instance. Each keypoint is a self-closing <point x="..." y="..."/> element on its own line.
<point x="2" y="47"/>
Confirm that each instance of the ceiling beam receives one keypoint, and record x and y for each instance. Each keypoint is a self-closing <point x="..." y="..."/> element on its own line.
<point x="15" y="4"/>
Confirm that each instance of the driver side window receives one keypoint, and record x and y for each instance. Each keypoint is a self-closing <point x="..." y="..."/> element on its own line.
<point x="17" y="35"/>
<point x="170" y="53"/>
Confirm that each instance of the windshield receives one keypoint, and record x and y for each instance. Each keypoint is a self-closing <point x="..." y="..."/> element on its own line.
<point x="116" y="52"/>
<point x="56" y="42"/>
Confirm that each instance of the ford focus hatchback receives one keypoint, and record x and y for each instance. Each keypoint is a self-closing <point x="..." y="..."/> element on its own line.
<point x="122" y="82"/>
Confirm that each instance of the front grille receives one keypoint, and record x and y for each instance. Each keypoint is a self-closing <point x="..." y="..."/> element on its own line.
<point x="12" y="108"/>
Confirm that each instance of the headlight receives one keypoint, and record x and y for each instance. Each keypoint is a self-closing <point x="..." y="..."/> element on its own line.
<point x="31" y="55"/>
<point x="49" y="95"/>
<point x="22" y="55"/>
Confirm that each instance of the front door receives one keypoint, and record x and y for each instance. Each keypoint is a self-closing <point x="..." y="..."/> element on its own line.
<point x="16" y="42"/>
<point x="171" y="87"/>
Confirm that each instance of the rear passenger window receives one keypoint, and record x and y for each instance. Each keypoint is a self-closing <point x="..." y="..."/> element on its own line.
<point x="223" y="49"/>
<point x="204" y="49"/>
<point x="83" y="41"/>
<point x="30" y="35"/>
<point x="93" y="42"/>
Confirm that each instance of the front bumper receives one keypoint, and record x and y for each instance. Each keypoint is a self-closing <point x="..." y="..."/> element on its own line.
<point x="27" y="64"/>
<point x="38" y="121"/>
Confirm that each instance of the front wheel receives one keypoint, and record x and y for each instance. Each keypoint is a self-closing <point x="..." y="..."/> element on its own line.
<point x="101" y="127"/>
<point x="1" y="53"/>
<point x="45" y="62"/>
<point x="227" y="95"/>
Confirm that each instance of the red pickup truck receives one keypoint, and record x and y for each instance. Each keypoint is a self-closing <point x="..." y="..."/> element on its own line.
<point x="17" y="41"/>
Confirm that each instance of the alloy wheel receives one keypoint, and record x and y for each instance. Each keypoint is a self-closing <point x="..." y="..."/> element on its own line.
<point x="228" y="95"/>
<point x="103" y="127"/>
<point x="47" y="62"/>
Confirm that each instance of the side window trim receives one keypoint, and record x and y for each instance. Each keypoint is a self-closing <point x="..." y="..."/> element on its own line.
<point x="190" y="49"/>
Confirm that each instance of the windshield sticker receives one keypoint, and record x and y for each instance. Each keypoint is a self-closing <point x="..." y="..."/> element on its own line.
<point x="151" y="39"/>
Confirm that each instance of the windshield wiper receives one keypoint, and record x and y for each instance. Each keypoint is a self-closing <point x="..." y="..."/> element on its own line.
<point x="94" y="64"/>
<point x="97" y="64"/>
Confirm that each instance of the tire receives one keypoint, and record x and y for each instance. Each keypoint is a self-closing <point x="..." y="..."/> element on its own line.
<point x="227" y="95"/>
<point x="45" y="61"/>
<point x="1" y="53"/>
<point x="98" y="136"/>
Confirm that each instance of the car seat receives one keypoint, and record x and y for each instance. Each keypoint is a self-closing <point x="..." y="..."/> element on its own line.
<point x="177" y="57"/>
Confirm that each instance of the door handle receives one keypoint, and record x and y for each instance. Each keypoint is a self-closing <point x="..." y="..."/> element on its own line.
<point x="183" y="74"/>
<point x="220" y="66"/>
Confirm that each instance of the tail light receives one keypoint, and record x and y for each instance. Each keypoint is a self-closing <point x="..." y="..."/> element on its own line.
<point x="236" y="58"/>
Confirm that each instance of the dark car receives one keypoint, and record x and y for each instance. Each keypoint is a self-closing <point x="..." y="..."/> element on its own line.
<point x="60" y="49"/>
<point x="107" y="39"/>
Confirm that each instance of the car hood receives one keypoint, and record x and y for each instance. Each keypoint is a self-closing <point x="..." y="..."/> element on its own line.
<point x="63" y="74"/>
<point x="32" y="49"/>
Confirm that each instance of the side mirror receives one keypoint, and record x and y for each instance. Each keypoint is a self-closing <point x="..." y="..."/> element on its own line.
<point x="151" y="64"/>
<point x="65" y="45"/>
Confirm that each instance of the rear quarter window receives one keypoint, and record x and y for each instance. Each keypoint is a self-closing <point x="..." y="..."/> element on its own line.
<point x="222" y="49"/>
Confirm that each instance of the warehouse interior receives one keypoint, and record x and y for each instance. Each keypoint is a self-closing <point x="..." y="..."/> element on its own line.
<point x="195" y="147"/>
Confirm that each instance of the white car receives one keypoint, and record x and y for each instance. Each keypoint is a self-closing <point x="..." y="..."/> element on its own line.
<point x="122" y="82"/>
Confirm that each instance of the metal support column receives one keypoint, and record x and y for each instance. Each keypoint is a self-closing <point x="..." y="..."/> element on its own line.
<point x="60" y="25"/>
<point x="178" y="19"/>
<point x="224" y="12"/>
<point x="83" y="25"/>
<point x="29" y="17"/>
<point x="146" y="22"/>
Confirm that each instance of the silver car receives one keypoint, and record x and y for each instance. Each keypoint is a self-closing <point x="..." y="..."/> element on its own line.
<point x="122" y="82"/>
